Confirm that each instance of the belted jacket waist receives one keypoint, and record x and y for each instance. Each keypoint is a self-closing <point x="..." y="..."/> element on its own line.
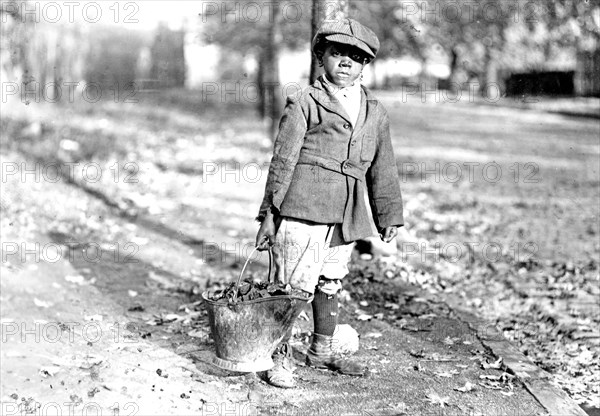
<point x="347" y="167"/>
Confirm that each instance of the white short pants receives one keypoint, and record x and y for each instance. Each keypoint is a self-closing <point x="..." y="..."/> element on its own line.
<point x="302" y="254"/>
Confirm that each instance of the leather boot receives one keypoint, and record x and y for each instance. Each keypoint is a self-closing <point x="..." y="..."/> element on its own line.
<point x="320" y="355"/>
<point x="282" y="374"/>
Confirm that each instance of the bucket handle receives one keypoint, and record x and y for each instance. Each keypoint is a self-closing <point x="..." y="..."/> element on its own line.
<point x="237" y="286"/>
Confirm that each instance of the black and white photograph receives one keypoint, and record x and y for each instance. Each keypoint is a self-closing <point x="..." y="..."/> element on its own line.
<point x="300" y="207"/>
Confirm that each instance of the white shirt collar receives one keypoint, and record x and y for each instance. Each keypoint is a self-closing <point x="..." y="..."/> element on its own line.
<point x="355" y="87"/>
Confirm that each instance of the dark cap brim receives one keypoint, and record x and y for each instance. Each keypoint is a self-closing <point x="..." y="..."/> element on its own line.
<point x="351" y="40"/>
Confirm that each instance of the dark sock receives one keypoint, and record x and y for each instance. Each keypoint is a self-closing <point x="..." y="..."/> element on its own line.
<point x="325" y="313"/>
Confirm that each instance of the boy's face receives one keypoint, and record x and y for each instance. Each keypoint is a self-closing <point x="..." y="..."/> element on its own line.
<point x="343" y="63"/>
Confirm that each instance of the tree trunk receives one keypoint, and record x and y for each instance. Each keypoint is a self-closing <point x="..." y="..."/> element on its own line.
<point x="490" y="88"/>
<point x="272" y="88"/>
<point x="324" y="10"/>
<point x="317" y="9"/>
<point x="452" y="79"/>
<point x="260" y="79"/>
<point x="581" y="72"/>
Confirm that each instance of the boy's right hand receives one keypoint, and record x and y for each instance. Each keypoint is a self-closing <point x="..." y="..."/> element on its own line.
<point x="266" y="233"/>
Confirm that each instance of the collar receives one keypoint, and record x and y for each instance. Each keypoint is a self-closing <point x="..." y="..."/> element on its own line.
<point x="354" y="88"/>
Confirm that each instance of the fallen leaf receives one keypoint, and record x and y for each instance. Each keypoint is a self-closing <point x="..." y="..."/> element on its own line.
<point x="41" y="303"/>
<point x="435" y="398"/>
<point x="79" y="279"/>
<point x="493" y="377"/>
<point x="92" y="392"/>
<point x="170" y="317"/>
<point x="48" y="371"/>
<point x="448" y="341"/>
<point x="446" y="374"/>
<point x="198" y="333"/>
<point x="495" y="365"/>
<point x="466" y="388"/>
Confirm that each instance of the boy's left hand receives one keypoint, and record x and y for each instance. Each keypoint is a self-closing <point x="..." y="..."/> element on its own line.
<point x="387" y="234"/>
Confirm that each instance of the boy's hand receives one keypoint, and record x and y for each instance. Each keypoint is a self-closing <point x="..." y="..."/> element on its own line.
<point x="387" y="234"/>
<point x="265" y="237"/>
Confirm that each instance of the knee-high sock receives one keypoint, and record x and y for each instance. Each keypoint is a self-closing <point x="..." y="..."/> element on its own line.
<point x="325" y="313"/>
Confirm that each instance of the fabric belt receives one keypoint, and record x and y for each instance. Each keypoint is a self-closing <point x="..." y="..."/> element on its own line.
<point x="347" y="167"/>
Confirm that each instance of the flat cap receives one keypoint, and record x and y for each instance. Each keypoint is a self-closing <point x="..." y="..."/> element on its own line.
<point x="350" y="32"/>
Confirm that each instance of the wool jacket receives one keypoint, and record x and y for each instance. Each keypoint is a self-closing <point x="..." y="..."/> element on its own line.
<point x="322" y="163"/>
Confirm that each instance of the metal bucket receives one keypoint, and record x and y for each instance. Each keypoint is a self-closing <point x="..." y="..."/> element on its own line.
<point x="247" y="332"/>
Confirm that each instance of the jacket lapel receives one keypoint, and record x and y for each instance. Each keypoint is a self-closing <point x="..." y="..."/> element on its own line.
<point x="323" y="96"/>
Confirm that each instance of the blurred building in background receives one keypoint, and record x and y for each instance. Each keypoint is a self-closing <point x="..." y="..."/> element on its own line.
<point x="587" y="74"/>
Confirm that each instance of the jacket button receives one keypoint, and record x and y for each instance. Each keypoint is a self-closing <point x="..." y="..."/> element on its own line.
<point x="346" y="126"/>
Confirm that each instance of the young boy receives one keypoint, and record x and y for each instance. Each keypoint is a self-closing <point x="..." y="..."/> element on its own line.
<point x="333" y="143"/>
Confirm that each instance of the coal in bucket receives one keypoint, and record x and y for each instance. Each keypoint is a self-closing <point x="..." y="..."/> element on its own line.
<point x="246" y="332"/>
